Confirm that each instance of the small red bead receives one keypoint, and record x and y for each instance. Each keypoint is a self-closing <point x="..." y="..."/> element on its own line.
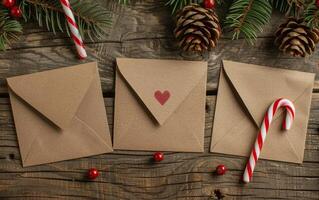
<point x="8" y="3"/>
<point x="15" y="11"/>
<point x="158" y="156"/>
<point x="209" y="4"/>
<point x="93" y="173"/>
<point x="221" y="170"/>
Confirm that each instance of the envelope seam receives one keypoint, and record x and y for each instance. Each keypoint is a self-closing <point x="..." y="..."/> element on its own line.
<point x="228" y="132"/>
<point x="235" y="90"/>
<point x="33" y="141"/>
<point x="232" y="128"/>
<point x="187" y="96"/>
<point x="96" y="134"/>
<point x="291" y="146"/>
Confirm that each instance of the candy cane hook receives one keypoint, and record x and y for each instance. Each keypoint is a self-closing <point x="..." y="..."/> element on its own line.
<point x="287" y="123"/>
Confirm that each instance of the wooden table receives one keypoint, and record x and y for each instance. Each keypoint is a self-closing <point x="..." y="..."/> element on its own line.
<point x="144" y="30"/>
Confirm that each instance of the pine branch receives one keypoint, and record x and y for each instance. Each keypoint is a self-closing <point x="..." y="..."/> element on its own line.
<point x="281" y="5"/>
<point x="247" y="17"/>
<point x="311" y="15"/>
<point x="178" y="4"/>
<point x="290" y="7"/>
<point x="92" y="19"/>
<point x="9" y="29"/>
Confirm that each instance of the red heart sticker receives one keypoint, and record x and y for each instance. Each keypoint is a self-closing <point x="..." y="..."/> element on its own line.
<point x="162" y="97"/>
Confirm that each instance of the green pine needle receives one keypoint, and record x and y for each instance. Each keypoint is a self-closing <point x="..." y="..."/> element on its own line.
<point x="281" y="5"/>
<point x="10" y="29"/>
<point x="311" y="15"/>
<point x="291" y="8"/>
<point x="248" y="17"/>
<point x="92" y="19"/>
<point x="179" y="4"/>
<point x="125" y="2"/>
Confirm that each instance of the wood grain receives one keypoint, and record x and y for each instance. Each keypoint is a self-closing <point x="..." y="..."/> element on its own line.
<point x="144" y="30"/>
<point x="131" y="175"/>
<point x="141" y="30"/>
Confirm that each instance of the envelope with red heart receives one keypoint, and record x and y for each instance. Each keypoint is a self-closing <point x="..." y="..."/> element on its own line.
<point x="160" y="105"/>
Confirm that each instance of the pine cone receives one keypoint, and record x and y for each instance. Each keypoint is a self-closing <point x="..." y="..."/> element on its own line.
<point x="197" y="29"/>
<point x="297" y="39"/>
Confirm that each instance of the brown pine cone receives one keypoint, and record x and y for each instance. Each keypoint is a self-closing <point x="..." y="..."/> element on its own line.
<point x="295" y="38"/>
<point x="197" y="29"/>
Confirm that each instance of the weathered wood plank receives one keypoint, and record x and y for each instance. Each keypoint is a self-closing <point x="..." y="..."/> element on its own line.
<point x="131" y="175"/>
<point x="142" y="30"/>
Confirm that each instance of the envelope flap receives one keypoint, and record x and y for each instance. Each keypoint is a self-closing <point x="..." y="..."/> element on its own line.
<point x="259" y="86"/>
<point x="55" y="93"/>
<point x="162" y="85"/>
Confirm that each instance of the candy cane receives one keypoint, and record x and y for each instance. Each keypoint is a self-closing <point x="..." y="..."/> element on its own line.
<point x="75" y="34"/>
<point x="263" y="132"/>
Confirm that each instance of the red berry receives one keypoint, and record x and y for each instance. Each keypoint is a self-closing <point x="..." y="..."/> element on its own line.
<point x="158" y="156"/>
<point x="221" y="170"/>
<point x="15" y="11"/>
<point x="8" y="3"/>
<point x="209" y="4"/>
<point x="93" y="173"/>
<point x="317" y="3"/>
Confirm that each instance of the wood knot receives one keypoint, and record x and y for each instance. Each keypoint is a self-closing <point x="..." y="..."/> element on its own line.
<point x="11" y="156"/>
<point x="218" y="195"/>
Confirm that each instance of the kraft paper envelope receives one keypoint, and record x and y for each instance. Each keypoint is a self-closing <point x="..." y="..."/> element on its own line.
<point x="245" y="92"/>
<point x="59" y="114"/>
<point x="160" y="105"/>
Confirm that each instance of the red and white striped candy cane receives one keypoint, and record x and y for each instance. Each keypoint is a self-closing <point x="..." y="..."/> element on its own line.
<point x="75" y="34"/>
<point x="250" y="166"/>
